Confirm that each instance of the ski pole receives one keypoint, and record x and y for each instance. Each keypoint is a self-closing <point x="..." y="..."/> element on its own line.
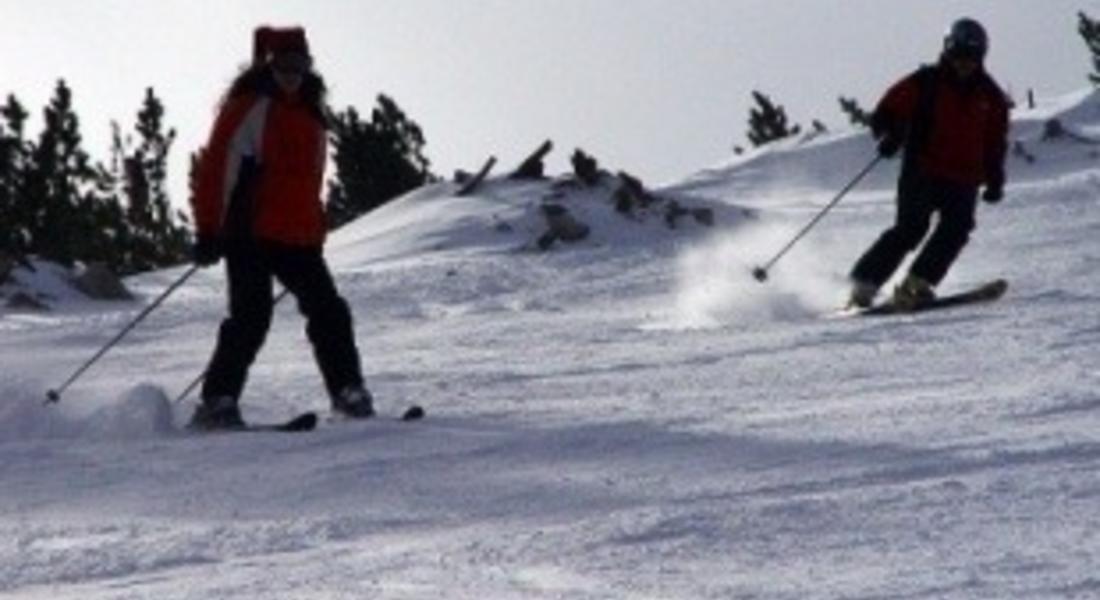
<point x="202" y="376"/>
<point x="54" y="395"/>
<point x="761" y="273"/>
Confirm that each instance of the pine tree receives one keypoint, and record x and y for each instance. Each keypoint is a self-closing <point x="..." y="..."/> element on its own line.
<point x="1090" y="32"/>
<point x="150" y="210"/>
<point x="17" y="161"/>
<point x="147" y="235"/>
<point x="856" y="114"/>
<point x="768" y="122"/>
<point x="70" y="216"/>
<point x="375" y="161"/>
<point x="57" y="178"/>
<point x="13" y="158"/>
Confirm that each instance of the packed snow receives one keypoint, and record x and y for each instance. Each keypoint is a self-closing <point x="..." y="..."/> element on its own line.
<point x="628" y="416"/>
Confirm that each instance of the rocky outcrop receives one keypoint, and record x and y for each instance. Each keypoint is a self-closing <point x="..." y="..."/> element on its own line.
<point x="97" y="282"/>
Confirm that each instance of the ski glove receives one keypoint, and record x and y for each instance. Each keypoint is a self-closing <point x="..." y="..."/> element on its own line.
<point x="207" y="251"/>
<point x="994" y="189"/>
<point x="889" y="146"/>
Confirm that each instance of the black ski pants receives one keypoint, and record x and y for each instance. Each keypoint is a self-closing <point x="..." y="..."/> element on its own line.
<point x="251" y="267"/>
<point x="919" y="198"/>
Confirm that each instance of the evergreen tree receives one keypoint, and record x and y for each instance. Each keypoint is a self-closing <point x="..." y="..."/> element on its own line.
<point x="150" y="212"/>
<point x="855" y="112"/>
<point x="14" y="238"/>
<point x="1090" y="32"/>
<point x="375" y="161"/>
<point x="70" y="214"/>
<point x="768" y="121"/>
<point x="146" y="233"/>
<point x="59" y="181"/>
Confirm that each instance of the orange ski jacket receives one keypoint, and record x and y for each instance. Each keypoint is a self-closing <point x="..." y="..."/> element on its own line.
<point x="280" y="200"/>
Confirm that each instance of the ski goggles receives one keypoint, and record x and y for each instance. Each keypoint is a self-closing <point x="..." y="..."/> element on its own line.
<point x="291" y="63"/>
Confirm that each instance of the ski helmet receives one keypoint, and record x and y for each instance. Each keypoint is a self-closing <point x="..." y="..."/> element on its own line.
<point x="966" y="39"/>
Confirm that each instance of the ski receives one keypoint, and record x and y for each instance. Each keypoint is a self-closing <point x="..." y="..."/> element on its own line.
<point x="304" y="422"/>
<point x="986" y="292"/>
<point x="307" y="421"/>
<point x="414" y="412"/>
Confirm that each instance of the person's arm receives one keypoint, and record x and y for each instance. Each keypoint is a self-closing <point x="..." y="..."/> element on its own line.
<point x="996" y="150"/>
<point x="891" y="117"/>
<point x="213" y="177"/>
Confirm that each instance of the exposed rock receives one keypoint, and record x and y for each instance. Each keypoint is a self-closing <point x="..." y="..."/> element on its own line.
<point x="586" y="168"/>
<point x="703" y="216"/>
<point x="99" y="283"/>
<point x="532" y="167"/>
<point x="673" y="213"/>
<point x="470" y="182"/>
<point x="561" y="225"/>
<point x="23" y="300"/>
<point x="1053" y="129"/>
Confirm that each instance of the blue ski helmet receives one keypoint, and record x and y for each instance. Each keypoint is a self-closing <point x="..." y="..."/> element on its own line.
<point x="966" y="39"/>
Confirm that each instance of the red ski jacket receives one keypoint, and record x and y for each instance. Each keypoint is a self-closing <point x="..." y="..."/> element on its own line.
<point x="965" y="128"/>
<point x="281" y="200"/>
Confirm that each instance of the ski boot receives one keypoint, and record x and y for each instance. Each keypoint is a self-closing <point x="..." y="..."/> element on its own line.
<point x="220" y="413"/>
<point x="912" y="292"/>
<point x="354" y="401"/>
<point x="863" y="294"/>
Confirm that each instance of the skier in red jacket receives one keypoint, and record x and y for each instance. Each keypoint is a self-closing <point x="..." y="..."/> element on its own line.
<point x="951" y="119"/>
<point x="257" y="203"/>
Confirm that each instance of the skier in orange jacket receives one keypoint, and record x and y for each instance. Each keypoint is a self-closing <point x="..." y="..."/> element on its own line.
<point x="257" y="203"/>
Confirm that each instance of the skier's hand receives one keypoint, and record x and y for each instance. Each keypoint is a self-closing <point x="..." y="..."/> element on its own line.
<point x="889" y="146"/>
<point x="207" y="251"/>
<point x="993" y="193"/>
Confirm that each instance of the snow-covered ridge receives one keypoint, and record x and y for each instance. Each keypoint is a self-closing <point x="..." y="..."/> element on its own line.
<point x="766" y="176"/>
<point x="509" y="215"/>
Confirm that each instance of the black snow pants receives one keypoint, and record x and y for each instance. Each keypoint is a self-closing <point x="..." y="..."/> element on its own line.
<point x="251" y="267"/>
<point x="919" y="198"/>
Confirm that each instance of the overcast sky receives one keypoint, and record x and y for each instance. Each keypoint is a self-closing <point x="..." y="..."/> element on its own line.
<point x="657" y="87"/>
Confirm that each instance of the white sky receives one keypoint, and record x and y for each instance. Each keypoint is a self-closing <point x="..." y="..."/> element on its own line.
<point x="657" y="87"/>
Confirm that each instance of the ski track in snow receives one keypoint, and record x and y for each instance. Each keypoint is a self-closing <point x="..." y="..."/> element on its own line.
<point x="625" y="419"/>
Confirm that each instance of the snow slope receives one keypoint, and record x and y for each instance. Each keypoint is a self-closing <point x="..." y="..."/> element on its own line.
<point x="632" y="416"/>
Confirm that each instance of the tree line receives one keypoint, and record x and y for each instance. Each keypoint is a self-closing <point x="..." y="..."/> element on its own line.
<point x="59" y="204"/>
<point x="55" y="202"/>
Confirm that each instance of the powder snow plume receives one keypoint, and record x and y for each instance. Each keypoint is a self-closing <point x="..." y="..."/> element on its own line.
<point x="716" y="287"/>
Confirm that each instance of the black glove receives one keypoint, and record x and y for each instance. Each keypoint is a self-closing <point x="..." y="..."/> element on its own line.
<point x="207" y="251"/>
<point x="993" y="193"/>
<point x="889" y="146"/>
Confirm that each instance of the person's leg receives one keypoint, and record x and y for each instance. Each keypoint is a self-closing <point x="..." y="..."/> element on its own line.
<point x="878" y="264"/>
<point x="329" y="325"/>
<point x="243" y="332"/>
<point x="957" y="205"/>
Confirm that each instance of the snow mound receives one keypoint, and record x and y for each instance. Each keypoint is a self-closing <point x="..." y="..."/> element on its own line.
<point x="142" y="412"/>
<point x="505" y="215"/>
